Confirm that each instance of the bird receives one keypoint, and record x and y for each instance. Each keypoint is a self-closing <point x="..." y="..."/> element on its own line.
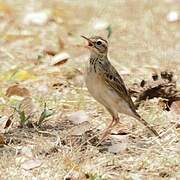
<point x="105" y="84"/>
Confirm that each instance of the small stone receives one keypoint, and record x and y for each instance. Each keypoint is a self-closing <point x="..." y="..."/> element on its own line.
<point x="78" y="117"/>
<point x="172" y="16"/>
<point x="37" y="18"/>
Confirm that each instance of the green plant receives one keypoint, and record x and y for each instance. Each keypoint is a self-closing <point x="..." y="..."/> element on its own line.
<point x="44" y="115"/>
<point x="95" y="177"/>
<point x="24" y="118"/>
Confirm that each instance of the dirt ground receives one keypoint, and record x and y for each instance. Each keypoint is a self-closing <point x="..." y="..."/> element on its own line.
<point x="42" y="50"/>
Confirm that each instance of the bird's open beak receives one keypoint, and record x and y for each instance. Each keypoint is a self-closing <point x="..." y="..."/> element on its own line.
<point x="90" y="43"/>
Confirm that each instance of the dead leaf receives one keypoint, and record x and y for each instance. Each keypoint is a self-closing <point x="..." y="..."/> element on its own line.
<point x="27" y="105"/>
<point x="50" y="51"/>
<point x="176" y="107"/>
<point x="16" y="74"/>
<point x="60" y="59"/>
<point x="57" y="14"/>
<point x="2" y="141"/>
<point x="78" y="117"/>
<point x="31" y="164"/>
<point x="73" y="175"/>
<point x="5" y="8"/>
<point x="60" y="62"/>
<point x="5" y="122"/>
<point x="61" y="44"/>
<point x="72" y="73"/>
<point x="22" y="75"/>
<point x="17" y="90"/>
<point x="162" y="85"/>
<point x="61" y="85"/>
<point x="8" y="122"/>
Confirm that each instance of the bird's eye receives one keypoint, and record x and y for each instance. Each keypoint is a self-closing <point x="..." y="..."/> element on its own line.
<point x="98" y="42"/>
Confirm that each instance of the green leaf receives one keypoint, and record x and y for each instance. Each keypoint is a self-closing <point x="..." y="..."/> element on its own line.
<point x="95" y="177"/>
<point x="22" y="117"/>
<point x="44" y="115"/>
<point x="109" y="30"/>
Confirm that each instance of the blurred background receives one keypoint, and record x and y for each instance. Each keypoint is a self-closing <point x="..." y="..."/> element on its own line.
<point x="143" y="32"/>
<point x="37" y="37"/>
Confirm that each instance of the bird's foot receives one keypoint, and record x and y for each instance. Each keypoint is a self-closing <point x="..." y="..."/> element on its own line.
<point x="120" y="129"/>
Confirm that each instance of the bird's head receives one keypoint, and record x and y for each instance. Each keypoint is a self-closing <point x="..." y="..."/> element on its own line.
<point x="97" y="45"/>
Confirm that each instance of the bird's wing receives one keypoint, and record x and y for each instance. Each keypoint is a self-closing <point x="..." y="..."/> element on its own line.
<point x="114" y="80"/>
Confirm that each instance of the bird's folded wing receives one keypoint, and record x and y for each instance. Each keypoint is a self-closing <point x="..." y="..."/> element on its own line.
<point x="114" y="80"/>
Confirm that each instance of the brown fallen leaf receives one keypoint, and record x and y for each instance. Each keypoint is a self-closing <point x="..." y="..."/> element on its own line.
<point x="17" y="90"/>
<point x="162" y="85"/>
<point x="27" y="105"/>
<point x="17" y="74"/>
<point x="73" y="175"/>
<point x="2" y="141"/>
<point x="60" y="59"/>
<point x="176" y="107"/>
<point x="72" y="74"/>
<point x="5" y="122"/>
<point x="26" y="111"/>
<point x="61" y="44"/>
<point x="5" y="8"/>
<point x="50" y="51"/>
<point x="8" y="122"/>
<point x="61" y="62"/>
<point x="31" y="164"/>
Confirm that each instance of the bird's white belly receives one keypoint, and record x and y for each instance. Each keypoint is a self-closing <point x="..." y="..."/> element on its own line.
<point x="95" y="86"/>
<point x="101" y="92"/>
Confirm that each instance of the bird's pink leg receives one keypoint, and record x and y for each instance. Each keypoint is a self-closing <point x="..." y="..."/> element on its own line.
<point x="108" y="129"/>
<point x="114" y="122"/>
<point x="122" y="129"/>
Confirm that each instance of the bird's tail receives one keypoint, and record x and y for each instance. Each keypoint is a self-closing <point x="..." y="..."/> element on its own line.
<point x="148" y="125"/>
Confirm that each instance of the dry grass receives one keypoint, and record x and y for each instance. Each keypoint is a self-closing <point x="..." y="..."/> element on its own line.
<point x="142" y="41"/>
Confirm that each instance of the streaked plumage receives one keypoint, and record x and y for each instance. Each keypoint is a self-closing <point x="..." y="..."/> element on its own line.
<point x="106" y="85"/>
